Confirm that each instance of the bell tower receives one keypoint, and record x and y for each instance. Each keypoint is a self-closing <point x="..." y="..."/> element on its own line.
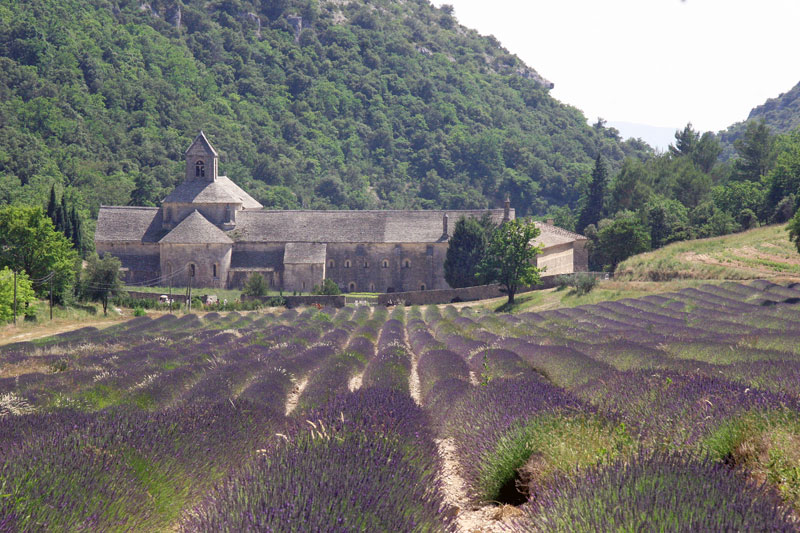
<point x="201" y="160"/>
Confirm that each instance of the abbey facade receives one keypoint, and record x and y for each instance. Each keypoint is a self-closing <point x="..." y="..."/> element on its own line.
<point x="211" y="233"/>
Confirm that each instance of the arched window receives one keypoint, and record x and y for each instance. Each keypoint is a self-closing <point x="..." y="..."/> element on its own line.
<point x="351" y="287"/>
<point x="406" y="263"/>
<point x="385" y="263"/>
<point x="200" y="169"/>
<point x="331" y="263"/>
<point x="214" y="270"/>
<point x="347" y="263"/>
<point x="366" y="264"/>
<point x="422" y="287"/>
<point x="191" y="270"/>
<point x="371" y="287"/>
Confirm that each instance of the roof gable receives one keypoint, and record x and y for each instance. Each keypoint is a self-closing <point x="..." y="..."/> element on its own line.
<point x="200" y="145"/>
<point x="196" y="229"/>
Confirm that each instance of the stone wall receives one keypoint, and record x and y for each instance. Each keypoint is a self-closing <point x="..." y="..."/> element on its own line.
<point x="299" y="301"/>
<point x="467" y="294"/>
<point x="303" y="277"/>
<point x="140" y="262"/>
<point x="386" y="267"/>
<point x="206" y="258"/>
<point x="556" y="259"/>
<point x="217" y="214"/>
<point x="580" y="256"/>
<point x="238" y="277"/>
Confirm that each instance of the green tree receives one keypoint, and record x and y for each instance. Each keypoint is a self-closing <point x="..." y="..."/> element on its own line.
<point x="632" y="187"/>
<point x="29" y="242"/>
<point x="621" y="238"/>
<point x="465" y="251"/>
<point x="509" y="259"/>
<point x="592" y="210"/>
<point x="668" y="220"/>
<point x="737" y="197"/>
<point x="706" y="152"/>
<point x="794" y="229"/>
<point x="756" y="152"/>
<point x="783" y="179"/>
<point x="256" y="285"/>
<point x="25" y="294"/>
<point x="685" y="142"/>
<point x="100" y="279"/>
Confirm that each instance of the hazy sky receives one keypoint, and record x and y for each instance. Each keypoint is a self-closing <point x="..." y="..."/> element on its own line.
<point x="655" y="62"/>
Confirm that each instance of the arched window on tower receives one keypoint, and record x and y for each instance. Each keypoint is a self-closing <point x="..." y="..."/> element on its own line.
<point x="200" y="169"/>
<point x="191" y="270"/>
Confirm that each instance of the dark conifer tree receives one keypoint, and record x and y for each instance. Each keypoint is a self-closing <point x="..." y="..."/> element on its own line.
<point x="592" y="210"/>
<point x="77" y="231"/>
<point x="465" y="251"/>
<point x="65" y="217"/>
<point x="52" y="205"/>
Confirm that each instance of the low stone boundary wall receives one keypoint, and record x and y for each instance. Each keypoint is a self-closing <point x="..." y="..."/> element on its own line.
<point x="298" y="301"/>
<point x="180" y="298"/>
<point x="467" y="294"/>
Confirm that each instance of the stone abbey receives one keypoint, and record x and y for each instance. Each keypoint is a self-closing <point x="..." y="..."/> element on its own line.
<point x="210" y="230"/>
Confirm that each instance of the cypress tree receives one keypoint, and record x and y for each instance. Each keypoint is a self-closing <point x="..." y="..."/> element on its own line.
<point x="67" y="228"/>
<point x="464" y="252"/>
<point x="77" y="231"/>
<point x="592" y="210"/>
<point x="52" y="205"/>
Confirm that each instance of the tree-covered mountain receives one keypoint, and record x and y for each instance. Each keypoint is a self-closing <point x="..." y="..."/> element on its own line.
<point x="781" y="114"/>
<point x="346" y="104"/>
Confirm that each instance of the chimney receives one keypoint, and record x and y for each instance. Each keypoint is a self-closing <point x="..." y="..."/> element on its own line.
<point x="445" y="220"/>
<point x="507" y="210"/>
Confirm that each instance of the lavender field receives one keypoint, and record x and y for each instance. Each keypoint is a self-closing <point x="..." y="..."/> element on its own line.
<point x="673" y="412"/>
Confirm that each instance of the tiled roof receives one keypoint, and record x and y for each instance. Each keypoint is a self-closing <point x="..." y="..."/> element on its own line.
<point x="203" y="141"/>
<point x="553" y="235"/>
<point x="220" y="191"/>
<point x="304" y="253"/>
<point x="256" y="259"/>
<point x="196" y="229"/>
<point x="350" y="226"/>
<point x="128" y="224"/>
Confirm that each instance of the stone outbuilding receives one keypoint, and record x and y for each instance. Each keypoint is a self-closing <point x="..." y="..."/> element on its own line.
<point x="210" y="231"/>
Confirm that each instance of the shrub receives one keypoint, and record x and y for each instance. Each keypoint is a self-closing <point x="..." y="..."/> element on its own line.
<point x="256" y="286"/>
<point x="329" y="287"/>
<point x="581" y="282"/>
<point x="139" y="312"/>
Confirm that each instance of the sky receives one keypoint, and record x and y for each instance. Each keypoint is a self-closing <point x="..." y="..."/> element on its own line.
<point x="656" y="62"/>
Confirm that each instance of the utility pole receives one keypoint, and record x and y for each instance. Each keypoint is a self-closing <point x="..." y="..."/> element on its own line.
<point x="15" y="297"/>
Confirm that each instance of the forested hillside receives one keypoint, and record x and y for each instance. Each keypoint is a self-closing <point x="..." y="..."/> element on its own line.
<point x="339" y="104"/>
<point x="781" y="114"/>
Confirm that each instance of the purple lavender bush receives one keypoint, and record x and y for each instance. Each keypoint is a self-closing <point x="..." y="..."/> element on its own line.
<point x="655" y="493"/>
